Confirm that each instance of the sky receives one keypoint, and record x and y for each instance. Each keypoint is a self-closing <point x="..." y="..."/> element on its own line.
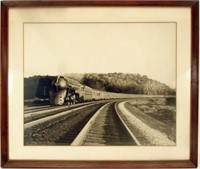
<point x="139" y="48"/>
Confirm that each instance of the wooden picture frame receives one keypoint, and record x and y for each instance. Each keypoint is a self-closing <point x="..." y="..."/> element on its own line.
<point x="191" y="162"/>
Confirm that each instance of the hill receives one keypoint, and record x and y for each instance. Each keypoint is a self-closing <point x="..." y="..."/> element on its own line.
<point x="123" y="83"/>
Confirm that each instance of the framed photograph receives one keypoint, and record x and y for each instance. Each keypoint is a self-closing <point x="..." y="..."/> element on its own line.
<point x="99" y="83"/>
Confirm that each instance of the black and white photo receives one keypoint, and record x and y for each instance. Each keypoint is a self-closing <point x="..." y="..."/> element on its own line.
<point x="100" y="84"/>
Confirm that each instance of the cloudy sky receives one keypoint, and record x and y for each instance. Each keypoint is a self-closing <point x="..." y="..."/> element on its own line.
<point x="143" y="48"/>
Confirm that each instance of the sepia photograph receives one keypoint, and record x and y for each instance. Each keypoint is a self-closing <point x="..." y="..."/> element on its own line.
<point x="100" y="83"/>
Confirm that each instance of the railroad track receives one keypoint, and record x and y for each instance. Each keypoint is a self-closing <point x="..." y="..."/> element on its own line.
<point x="107" y="122"/>
<point x="33" y="109"/>
<point x="96" y="123"/>
<point x="59" y="128"/>
<point x="32" y="116"/>
<point x="106" y="127"/>
<point x="45" y="116"/>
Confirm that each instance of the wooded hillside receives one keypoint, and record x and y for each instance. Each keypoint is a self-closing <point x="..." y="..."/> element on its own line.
<point x="123" y="83"/>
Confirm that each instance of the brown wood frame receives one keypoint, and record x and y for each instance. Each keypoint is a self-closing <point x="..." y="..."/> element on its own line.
<point x="192" y="162"/>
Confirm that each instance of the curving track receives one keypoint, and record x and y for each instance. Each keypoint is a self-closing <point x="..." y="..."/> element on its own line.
<point x="106" y="128"/>
<point x="108" y="122"/>
<point x="61" y="127"/>
<point x="96" y="123"/>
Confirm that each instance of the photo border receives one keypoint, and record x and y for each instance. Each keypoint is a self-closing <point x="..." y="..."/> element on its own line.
<point x="192" y="162"/>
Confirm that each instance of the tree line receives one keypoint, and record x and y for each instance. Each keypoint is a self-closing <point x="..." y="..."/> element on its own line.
<point x="126" y="83"/>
